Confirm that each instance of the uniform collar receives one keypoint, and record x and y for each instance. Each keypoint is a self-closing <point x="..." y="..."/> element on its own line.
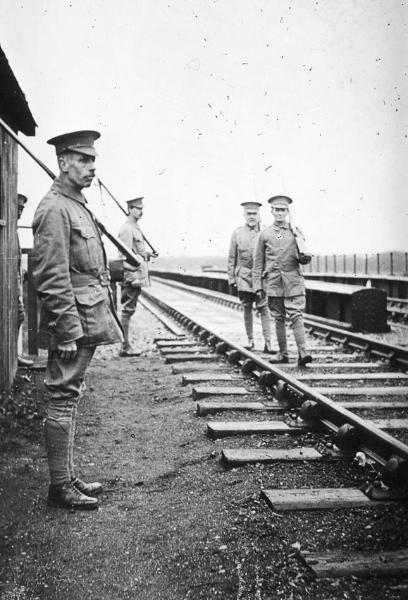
<point x="284" y="225"/>
<point x="256" y="229"/>
<point x="66" y="190"/>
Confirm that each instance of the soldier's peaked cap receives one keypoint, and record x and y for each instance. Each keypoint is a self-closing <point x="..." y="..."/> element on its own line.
<point x="135" y="202"/>
<point x="251" y="204"/>
<point x="21" y="200"/>
<point x="76" y="141"/>
<point x="282" y="201"/>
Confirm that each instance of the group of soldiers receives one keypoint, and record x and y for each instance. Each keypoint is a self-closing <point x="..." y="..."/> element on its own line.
<point x="77" y="309"/>
<point x="264" y="268"/>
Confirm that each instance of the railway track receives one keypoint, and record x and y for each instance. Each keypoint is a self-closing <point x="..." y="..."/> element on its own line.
<point x="397" y="309"/>
<point x="349" y="405"/>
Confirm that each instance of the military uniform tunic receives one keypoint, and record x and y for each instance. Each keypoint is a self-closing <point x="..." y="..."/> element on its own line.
<point x="276" y="264"/>
<point x="131" y="235"/>
<point x="71" y="273"/>
<point x="240" y="257"/>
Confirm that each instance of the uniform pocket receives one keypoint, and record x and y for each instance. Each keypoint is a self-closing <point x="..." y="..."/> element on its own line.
<point x="85" y="247"/>
<point x="245" y="257"/>
<point x="93" y="311"/>
<point x="89" y="296"/>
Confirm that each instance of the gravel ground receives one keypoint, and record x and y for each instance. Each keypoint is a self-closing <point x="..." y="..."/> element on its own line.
<point x="173" y="523"/>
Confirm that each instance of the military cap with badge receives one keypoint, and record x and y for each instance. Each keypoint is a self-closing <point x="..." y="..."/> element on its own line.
<point x="22" y="200"/>
<point x="280" y="201"/>
<point x="76" y="141"/>
<point x="251" y="204"/>
<point x="135" y="202"/>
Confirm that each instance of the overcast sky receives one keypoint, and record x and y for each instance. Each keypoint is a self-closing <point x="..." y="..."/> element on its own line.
<point x="204" y="104"/>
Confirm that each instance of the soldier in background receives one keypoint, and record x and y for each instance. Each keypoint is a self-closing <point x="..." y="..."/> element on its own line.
<point x="22" y="360"/>
<point x="276" y="275"/>
<point x="134" y="278"/>
<point x="240" y="262"/>
<point x="77" y="313"/>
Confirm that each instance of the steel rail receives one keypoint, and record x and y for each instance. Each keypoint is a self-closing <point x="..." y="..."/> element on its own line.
<point x="379" y="444"/>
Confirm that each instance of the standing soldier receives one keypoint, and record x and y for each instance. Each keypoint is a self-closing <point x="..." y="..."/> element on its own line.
<point x="240" y="264"/>
<point x="22" y="361"/>
<point x="134" y="278"/>
<point x="77" y="313"/>
<point x="276" y="275"/>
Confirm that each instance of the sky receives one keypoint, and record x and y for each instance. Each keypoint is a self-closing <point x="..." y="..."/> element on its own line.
<point x="204" y="104"/>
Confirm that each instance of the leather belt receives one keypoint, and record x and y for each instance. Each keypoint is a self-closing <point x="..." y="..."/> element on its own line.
<point x="87" y="278"/>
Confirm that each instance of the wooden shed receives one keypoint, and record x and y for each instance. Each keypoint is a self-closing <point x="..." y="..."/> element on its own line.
<point x="14" y="111"/>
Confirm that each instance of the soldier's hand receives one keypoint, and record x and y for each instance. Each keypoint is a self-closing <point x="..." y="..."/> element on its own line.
<point x="147" y="255"/>
<point x="260" y="295"/>
<point x="233" y="289"/>
<point x="68" y="350"/>
<point x="304" y="259"/>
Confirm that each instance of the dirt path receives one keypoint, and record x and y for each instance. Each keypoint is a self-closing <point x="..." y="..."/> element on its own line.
<point x="173" y="524"/>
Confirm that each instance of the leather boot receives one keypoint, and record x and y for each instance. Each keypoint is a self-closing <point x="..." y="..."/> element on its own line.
<point x="300" y="338"/>
<point x="279" y="358"/>
<point x="126" y="348"/>
<point x="268" y="350"/>
<point x="89" y="489"/>
<point x="68" y="496"/>
<point x="281" y="337"/>
<point x="304" y="359"/>
<point x="249" y="322"/>
<point x="266" y="329"/>
<point x="57" y="433"/>
<point x="125" y="318"/>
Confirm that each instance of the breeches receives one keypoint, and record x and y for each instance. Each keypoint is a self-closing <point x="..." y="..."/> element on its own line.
<point x="291" y="308"/>
<point x="248" y="298"/>
<point x="129" y="297"/>
<point x="64" y="379"/>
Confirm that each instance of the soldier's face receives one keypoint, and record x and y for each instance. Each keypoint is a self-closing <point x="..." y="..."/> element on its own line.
<point x="137" y="212"/>
<point x="251" y="217"/>
<point x="78" y="168"/>
<point x="279" y="213"/>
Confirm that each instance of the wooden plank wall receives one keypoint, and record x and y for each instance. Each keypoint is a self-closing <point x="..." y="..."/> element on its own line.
<point x="8" y="262"/>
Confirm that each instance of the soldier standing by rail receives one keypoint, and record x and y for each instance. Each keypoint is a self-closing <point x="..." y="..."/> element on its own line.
<point x="276" y="275"/>
<point x="134" y="278"/>
<point x="77" y="313"/>
<point x="240" y="274"/>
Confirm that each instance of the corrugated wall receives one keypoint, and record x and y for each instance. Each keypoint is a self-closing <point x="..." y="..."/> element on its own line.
<point x="8" y="261"/>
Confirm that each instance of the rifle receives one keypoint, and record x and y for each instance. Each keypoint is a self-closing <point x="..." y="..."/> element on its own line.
<point x="130" y="256"/>
<point x="304" y="254"/>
